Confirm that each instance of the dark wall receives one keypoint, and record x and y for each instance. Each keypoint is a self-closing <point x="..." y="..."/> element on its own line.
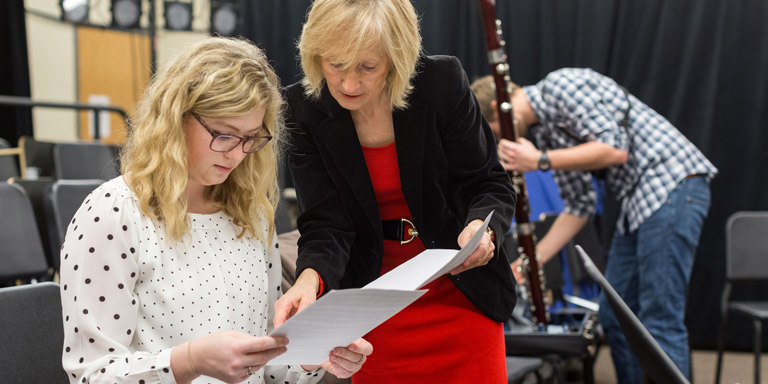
<point x="14" y="70"/>
<point x="701" y="63"/>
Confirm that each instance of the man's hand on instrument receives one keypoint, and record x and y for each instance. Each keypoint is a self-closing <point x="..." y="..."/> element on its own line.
<point x="521" y="155"/>
<point x="482" y="255"/>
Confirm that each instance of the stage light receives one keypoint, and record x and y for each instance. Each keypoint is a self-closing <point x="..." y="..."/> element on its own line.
<point x="225" y="17"/>
<point x="178" y="16"/>
<point x="75" y="11"/>
<point x="126" y="13"/>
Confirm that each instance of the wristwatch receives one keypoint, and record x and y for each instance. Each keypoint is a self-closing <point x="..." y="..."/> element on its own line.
<point x="544" y="164"/>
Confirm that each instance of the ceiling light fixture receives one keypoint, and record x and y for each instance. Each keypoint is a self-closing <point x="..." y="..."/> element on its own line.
<point x="75" y="11"/>
<point x="126" y="13"/>
<point x="225" y="17"/>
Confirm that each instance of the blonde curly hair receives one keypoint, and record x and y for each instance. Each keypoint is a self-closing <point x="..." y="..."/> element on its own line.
<point x="216" y="77"/>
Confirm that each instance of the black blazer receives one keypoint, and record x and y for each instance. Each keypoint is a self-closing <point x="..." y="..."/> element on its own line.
<point x="449" y="171"/>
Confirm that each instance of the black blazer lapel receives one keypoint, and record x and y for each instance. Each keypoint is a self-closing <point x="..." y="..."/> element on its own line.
<point x="338" y="135"/>
<point x="410" y="133"/>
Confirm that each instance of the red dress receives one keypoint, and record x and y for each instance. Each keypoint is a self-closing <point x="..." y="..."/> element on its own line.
<point x="440" y="338"/>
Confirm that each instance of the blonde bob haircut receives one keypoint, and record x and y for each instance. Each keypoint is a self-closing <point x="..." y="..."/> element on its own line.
<point x="345" y="30"/>
<point x="216" y="77"/>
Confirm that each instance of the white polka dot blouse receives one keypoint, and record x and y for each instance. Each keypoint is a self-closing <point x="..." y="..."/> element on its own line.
<point x="129" y="294"/>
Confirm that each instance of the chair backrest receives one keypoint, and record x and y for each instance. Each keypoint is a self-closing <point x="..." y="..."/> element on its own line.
<point x="38" y="155"/>
<point x="61" y="200"/>
<point x="36" y="190"/>
<point x="746" y="238"/>
<point x="85" y="161"/>
<point x="21" y="253"/>
<point x="589" y="240"/>
<point x="657" y="366"/>
<point x="9" y="166"/>
<point x="32" y="333"/>
<point x="287" y="211"/>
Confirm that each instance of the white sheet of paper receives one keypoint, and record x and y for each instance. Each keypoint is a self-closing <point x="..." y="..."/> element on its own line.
<point x="337" y="319"/>
<point x="342" y="316"/>
<point x="416" y="272"/>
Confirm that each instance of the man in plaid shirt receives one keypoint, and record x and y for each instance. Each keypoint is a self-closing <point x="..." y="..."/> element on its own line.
<point x="585" y="123"/>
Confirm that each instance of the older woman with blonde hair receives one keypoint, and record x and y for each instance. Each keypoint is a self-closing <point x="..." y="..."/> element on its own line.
<point x="390" y="155"/>
<point x="169" y="272"/>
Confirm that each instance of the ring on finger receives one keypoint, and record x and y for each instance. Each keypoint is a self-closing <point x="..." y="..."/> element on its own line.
<point x="248" y="371"/>
<point x="361" y="359"/>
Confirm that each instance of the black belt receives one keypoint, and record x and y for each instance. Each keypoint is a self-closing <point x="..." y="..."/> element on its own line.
<point x="398" y="230"/>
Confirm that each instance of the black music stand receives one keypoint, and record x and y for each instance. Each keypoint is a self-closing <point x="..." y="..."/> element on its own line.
<point x="657" y="366"/>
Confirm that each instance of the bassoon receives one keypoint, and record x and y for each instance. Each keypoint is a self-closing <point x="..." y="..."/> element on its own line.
<point x="524" y="228"/>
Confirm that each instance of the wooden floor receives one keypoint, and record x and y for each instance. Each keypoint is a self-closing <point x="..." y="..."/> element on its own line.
<point x="738" y="367"/>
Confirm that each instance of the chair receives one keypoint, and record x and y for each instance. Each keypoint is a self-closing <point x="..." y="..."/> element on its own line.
<point x="32" y="332"/>
<point x="520" y="368"/>
<point x="35" y="190"/>
<point x="9" y="166"/>
<point x="746" y="256"/>
<point x="657" y="366"/>
<point x="21" y="253"/>
<point x="37" y="156"/>
<point x="287" y="211"/>
<point x="61" y="201"/>
<point x="85" y="161"/>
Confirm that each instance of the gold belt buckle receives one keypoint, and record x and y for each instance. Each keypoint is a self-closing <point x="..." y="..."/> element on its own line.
<point x="411" y="231"/>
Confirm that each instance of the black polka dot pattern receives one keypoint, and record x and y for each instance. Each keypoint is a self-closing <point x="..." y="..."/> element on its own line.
<point x="134" y="293"/>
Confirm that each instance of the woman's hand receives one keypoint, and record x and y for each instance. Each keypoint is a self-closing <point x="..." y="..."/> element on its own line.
<point x="482" y="255"/>
<point x="301" y="295"/>
<point x="231" y="356"/>
<point x="344" y="362"/>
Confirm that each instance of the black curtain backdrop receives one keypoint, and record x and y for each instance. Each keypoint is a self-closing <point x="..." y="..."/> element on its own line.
<point x="14" y="70"/>
<point x="701" y="63"/>
<point x="275" y="27"/>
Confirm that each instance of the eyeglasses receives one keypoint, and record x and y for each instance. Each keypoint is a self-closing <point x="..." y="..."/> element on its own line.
<point x="225" y="143"/>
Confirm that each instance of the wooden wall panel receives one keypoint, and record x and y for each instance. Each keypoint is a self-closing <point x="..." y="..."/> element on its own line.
<point x="115" y="64"/>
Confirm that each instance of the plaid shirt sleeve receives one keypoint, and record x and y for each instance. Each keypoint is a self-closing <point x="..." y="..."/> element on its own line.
<point x="576" y="190"/>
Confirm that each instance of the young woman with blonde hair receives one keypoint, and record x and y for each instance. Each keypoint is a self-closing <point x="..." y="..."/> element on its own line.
<point x="169" y="272"/>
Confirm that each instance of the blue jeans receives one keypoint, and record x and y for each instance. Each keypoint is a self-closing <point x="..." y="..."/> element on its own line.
<point x="650" y="269"/>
